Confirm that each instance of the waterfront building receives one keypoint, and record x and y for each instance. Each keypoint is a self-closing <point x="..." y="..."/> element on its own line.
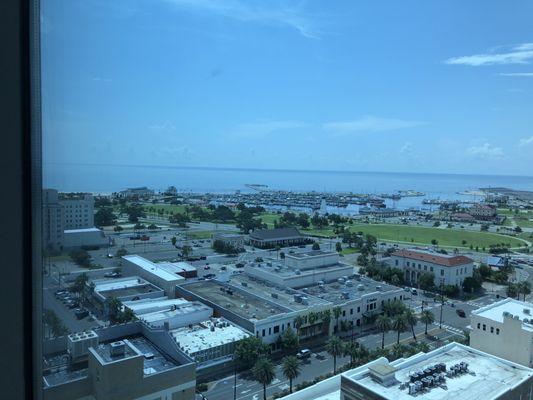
<point x="270" y="238"/>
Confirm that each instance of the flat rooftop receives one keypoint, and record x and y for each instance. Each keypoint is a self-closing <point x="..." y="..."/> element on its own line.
<point x="82" y="230"/>
<point x="242" y="302"/>
<point x="279" y="268"/>
<point x="181" y="310"/>
<point x="160" y="270"/>
<point x="176" y="267"/>
<point x="495" y="311"/>
<point x="350" y="289"/>
<point x="312" y="253"/>
<point x="207" y="334"/>
<point x="144" y="306"/>
<point x="446" y="260"/>
<point x="123" y="287"/>
<point x="58" y="369"/>
<point x="489" y="376"/>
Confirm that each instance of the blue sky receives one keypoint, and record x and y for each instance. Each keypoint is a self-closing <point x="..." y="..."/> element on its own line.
<point x="417" y="86"/>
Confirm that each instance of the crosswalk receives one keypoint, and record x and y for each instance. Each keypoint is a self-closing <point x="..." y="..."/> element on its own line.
<point x="452" y="329"/>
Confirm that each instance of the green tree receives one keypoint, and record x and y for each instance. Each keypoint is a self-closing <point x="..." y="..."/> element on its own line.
<point x="427" y="281"/>
<point x="289" y="340"/>
<point x="186" y="251"/>
<point x="383" y="323"/>
<point x="104" y="216"/>
<point x="121" y="252"/>
<point x="248" y="350"/>
<point x="338" y="247"/>
<point x="79" y="283"/>
<point x="263" y="372"/>
<point x="335" y="347"/>
<point x="399" y="324"/>
<point x="291" y="369"/>
<point x="316" y="246"/>
<point x="524" y="288"/>
<point x="173" y="241"/>
<point x="118" y="228"/>
<point x="427" y="318"/>
<point x="434" y="242"/>
<point x="411" y="319"/>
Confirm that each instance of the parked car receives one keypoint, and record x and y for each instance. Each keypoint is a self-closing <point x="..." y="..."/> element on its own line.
<point x="414" y="292"/>
<point x="137" y="237"/>
<point x="433" y="338"/>
<point x="209" y="276"/>
<point x="145" y="238"/>
<point x="207" y="267"/>
<point x="110" y="255"/>
<point x="460" y="312"/>
<point x="303" y="354"/>
<point x="113" y="274"/>
<point x="72" y="304"/>
<point x="81" y="313"/>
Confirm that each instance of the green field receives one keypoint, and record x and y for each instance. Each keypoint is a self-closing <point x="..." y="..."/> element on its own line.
<point x="269" y="218"/>
<point x="198" y="234"/>
<point x="445" y="237"/>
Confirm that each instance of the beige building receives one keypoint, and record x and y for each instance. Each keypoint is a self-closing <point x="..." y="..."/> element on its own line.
<point x="448" y="269"/>
<point x="504" y="329"/>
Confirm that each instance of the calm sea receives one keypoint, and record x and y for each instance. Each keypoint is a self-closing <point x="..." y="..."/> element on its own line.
<point x="110" y="178"/>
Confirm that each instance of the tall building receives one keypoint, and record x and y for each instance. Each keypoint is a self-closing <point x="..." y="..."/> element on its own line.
<point x="53" y="226"/>
<point x="62" y="212"/>
<point x="504" y="329"/>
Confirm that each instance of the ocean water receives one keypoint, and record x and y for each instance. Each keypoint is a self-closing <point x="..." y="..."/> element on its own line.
<point x="112" y="178"/>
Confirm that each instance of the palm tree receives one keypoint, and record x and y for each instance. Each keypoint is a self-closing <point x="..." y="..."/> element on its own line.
<point x="352" y="349"/>
<point x="298" y="323"/>
<point x="291" y="369"/>
<point x="326" y="319"/>
<point x="383" y="323"/>
<point x="337" y="311"/>
<point x="524" y="288"/>
<point x="335" y="347"/>
<point x="263" y="372"/>
<point x="399" y="324"/>
<point x="411" y="319"/>
<point x="427" y="318"/>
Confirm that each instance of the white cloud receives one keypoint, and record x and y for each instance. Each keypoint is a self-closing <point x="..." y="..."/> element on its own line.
<point x="265" y="128"/>
<point x="370" y="123"/>
<point x="520" y="54"/>
<point x="486" y="150"/>
<point x="166" y="126"/>
<point x="520" y="74"/>
<point x="526" y="141"/>
<point x="265" y="12"/>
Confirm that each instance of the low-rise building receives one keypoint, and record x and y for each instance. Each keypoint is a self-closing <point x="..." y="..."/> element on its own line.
<point x="454" y="371"/>
<point x="300" y="269"/>
<point x="270" y="238"/>
<point x="230" y="239"/>
<point x="209" y="341"/>
<point x="504" y="329"/>
<point x="123" y="289"/>
<point x="84" y="237"/>
<point x="122" y="362"/>
<point x="483" y="212"/>
<point x="447" y="269"/>
<point x="137" y="192"/>
<point x="164" y="275"/>
<point x="169" y="313"/>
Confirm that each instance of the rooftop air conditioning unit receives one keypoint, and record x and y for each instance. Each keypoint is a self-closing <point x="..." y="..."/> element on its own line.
<point x="527" y="311"/>
<point x="117" y="348"/>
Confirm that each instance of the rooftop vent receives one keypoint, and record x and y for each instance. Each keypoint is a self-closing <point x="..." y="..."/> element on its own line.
<point x="383" y="373"/>
<point x="117" y="348"/>
<point x="527" y="311"/>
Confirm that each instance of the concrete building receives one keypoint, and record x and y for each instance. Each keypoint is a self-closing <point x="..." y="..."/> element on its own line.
<point x="269" y="238"/>
<point x="209" y="341"/>
<point x="180" y="268"/>
<point x="78" y="210"/>
<point x="123" y="362"/>
<point x="169" y="313"/>
<point x="70" y="212"/>
<point x="53" y="225"/>
<point x="164" y="275"/>
<point x="123" y="289"/>
<point x="448" y="269"/>
<point x="381" y="212"/>
<point x="300" y="269"/>
<point x="504" y="329"/>
<point x="232" y="239"/>
<point x="84" y="237"/>
<point x="451" y="372"/>
<point x="266" y="310"/>
<point x="483" y="212"/>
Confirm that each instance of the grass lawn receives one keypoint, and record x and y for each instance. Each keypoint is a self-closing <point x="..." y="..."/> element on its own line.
<point x="445" y="237"/>
<point x="349" y="250"/>
<point x="199" y="235"/>
<point x="327" y="233"/>
<point x="269" y="218"/>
